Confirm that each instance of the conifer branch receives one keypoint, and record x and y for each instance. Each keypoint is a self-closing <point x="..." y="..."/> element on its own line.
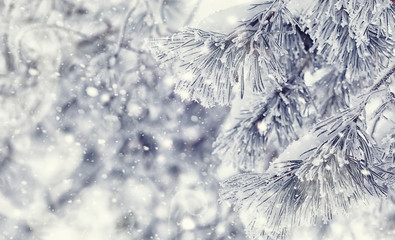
<point x="384" y="79"/>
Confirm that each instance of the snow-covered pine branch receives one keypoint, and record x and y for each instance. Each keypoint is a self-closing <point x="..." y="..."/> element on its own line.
<point x="348" y="35"/>
<point x="211" y="64"/>
<point x="343" y="169"/>
<point x="265" y="118"/>
<point x="318" y="173"/>
<point x="333" y="94"/>
<point x="342" y="165"/>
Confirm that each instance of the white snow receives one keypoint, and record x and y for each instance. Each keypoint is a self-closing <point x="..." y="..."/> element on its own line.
<point x="92" y="91"/>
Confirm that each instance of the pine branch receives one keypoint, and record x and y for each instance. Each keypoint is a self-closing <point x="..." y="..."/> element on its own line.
<point x="332" y="93"/>
<point x="383" y="80"/>
<point x="341" y="164"/>
<point x="345" y="169"/>
<point x="260" y="121"/>
<point x="249" y="56"/>
<point x="356" y="43"/>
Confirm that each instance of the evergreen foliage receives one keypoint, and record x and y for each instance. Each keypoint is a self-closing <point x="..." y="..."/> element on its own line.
<point x="259" y="69"/>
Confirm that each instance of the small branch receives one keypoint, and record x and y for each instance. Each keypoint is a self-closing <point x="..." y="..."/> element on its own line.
<point x="383" y="80"/>
<point x="9" y="58"/>
<point x="375" y="126"/>
<point x="123" y="29"/>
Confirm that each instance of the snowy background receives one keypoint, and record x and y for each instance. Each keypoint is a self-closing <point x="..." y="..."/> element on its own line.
<point x="95" y="145"/>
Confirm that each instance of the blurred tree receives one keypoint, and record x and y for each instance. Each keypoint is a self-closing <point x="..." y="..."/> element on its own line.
<point x="94" y="143"/>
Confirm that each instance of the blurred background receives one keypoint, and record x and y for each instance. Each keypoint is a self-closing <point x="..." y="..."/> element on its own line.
<point x="94" y="144"/>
